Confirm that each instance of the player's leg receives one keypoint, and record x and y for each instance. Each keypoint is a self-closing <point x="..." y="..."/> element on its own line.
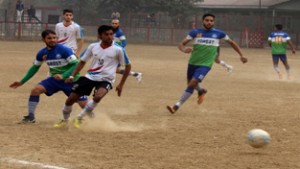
<point x="33" y="101"/>
<point x="137" y="75"/>
<point x="102" y="88"/>
<point x="195" y="75"/>
<point x="47" y="86"/>
<point x="283" y="59"/>
<point x="275" y="59"/>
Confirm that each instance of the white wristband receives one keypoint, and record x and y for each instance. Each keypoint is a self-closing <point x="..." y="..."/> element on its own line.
<point x="71" y="77"/>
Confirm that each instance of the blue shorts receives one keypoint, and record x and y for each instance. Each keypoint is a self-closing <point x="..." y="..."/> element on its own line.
<point x="197" y="72"/>
<point x="282" y="57"/>
<point x="52" y="86"/>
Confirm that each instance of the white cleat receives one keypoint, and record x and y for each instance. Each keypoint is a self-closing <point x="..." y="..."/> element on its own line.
<point x="229" y="69"/>
<point x="139" y="77"/>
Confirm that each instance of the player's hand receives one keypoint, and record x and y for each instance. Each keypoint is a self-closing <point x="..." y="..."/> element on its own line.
<point x="15" y="85"/>
<point x="69" y="79"/>
<point x="187" y="50"/>
<point x="244" y="59"/>
<point x="58" y="77"/>
<point x="294" y="51"/>
<point x="119" y="90"/>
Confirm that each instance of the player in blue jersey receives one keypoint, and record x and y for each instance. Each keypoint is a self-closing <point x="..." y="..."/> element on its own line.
<point x="61" y="62"/>
<point x="119" y="38"/>
<point x="203" y="55"/>
<point x="278" y="41"/>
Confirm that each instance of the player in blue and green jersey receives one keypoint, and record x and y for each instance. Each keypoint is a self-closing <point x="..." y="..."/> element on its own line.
<point x="203" y="55"/>
<point x="61" y="62"/>
<point x="278" y="41"/>
<point x="120" y="39"/>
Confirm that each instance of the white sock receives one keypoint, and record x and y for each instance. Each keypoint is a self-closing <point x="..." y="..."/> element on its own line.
<point x="90" y="106"/>
<point x="222" y="63"/>
<point x="66" y="112"/>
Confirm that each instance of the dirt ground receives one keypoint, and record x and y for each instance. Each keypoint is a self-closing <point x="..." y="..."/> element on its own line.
<point x="136" y="131"/>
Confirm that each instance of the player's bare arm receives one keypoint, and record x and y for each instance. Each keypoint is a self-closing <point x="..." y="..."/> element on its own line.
<point x="119" y="88"/>
<point x="238" y="50"/>
<point x="79" y="47"/>
<point x="292" y="46"/>
<point x="182" y="47"/>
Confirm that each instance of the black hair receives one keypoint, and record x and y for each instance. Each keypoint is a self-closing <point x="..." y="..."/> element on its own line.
<point x="104" y="28"/>
<point x="278" y="27"/>
<point x="67" y="11"/>
<point x="47" y="32"/>
<point x="208" y="14"/>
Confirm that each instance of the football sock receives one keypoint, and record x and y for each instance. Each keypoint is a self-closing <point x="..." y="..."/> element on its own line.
<point x="222" y="63"/>
<point x="32" y="104"/>
<point x="131" y="73"/>
<point x="90" y="106"/>
<point x="185" y="96"/>
<point x="66" y="112"/>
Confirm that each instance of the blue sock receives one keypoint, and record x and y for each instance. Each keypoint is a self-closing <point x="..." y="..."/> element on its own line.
<point x="32" y="104"/>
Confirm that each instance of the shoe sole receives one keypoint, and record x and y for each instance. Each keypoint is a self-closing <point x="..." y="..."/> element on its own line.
<point x="171" y="110"/>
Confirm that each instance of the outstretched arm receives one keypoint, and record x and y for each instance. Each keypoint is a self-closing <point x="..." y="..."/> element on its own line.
<point x="30" y="73"/>
<point x="238" y="50"/>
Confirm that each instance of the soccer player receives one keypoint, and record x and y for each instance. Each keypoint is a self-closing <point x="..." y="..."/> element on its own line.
<point x="278" y="41"/>
<point x="228" y="67"/>
<point x="69" y="33"/>
<point x="203" y="54"/>
<point x="100" y="76"/>
<point x="119" y="38"/>
<point x="61" y="62"/>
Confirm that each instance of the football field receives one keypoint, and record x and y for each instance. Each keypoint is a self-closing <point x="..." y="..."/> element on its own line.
<point x="135" y="131"/>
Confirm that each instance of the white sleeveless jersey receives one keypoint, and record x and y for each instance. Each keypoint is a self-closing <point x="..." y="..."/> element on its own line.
<point x="105" y="61"/>
<point x="68" y="35"/>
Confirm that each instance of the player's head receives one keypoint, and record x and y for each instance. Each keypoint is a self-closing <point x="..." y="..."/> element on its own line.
<point x="208" y="20"/>
<point x="106" y="34"/>
<point x="278" y="27"/>
<point x="115" y="23"/>
<point x="68" y="15"/>
<point x="49" y="37"/>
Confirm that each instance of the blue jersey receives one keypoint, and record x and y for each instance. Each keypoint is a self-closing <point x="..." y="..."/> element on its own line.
<point x="119" y="37"/>
<point x="57" y="59"/>
<point x="278" y="41"/>
<point x="206" y="43"/>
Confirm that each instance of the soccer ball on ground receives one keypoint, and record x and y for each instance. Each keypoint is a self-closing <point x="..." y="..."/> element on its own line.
<point x="258" y="138"/>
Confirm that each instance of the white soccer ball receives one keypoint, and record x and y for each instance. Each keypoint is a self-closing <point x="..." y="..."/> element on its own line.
<point x="258" y="138"/>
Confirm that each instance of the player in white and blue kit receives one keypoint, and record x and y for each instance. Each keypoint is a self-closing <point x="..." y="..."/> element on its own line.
<point x="61" y="62"/>
<point x="100" y="76"/>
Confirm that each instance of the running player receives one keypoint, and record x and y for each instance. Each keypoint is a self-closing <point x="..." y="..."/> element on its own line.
<point x="101" y="74"/>
<point x="278" y="41"/>
<point x="69" y="33"/>
<point x="61" y="62"/>
<point x="119" y="38"/>
<point x="203" y="55"/>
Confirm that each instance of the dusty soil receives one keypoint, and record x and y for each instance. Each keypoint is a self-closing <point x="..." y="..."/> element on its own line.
<point x="136" y="131"/>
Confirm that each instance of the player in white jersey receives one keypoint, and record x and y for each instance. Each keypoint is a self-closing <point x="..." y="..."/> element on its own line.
<point x="69" y="33"/>
<point x="101" y="74"/>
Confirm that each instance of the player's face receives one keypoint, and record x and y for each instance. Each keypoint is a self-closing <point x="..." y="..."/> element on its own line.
<point x="50" y="40"/>
<point x="115" y="24"/>
<point x="68" y="17"/>
<point x="208" y="22"/>
<point x="107" y="37"/>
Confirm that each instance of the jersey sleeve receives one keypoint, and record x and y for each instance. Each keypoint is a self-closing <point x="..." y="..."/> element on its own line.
<point x="79" y="34"/>
<point x="192" y="34"/>
<point x="123" y="57"/>
<point x="87" y="55"/>
<point x="39" y="59"/>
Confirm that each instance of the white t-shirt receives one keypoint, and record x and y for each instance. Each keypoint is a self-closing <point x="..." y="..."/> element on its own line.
<point x="105" y="61"/>
<point x="68" y="35"/>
